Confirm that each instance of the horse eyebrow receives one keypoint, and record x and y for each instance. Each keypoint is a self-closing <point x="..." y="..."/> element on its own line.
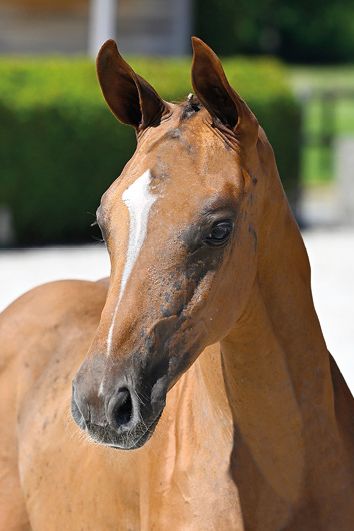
<point x="100" y="221"/>
<point x="218" y="204"/>
<point x="98" y="213"/>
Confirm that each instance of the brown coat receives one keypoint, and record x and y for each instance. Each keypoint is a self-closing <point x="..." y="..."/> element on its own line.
<point x="215" y="308"/>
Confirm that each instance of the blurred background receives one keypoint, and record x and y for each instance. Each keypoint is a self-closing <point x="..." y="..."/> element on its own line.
<point x="60" y="148"/>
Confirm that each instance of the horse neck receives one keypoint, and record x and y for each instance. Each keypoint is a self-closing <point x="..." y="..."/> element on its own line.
<point x="278" y="381"/>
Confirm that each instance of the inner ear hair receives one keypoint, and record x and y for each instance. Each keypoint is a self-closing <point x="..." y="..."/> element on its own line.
<point x="130" y="97"/>
<point x="211" y="85"/>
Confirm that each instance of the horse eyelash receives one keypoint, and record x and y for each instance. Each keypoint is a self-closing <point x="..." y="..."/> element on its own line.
<point x="94" y="224"/>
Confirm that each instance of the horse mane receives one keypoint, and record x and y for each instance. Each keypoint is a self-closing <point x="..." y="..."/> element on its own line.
<point x="191" y="106"/>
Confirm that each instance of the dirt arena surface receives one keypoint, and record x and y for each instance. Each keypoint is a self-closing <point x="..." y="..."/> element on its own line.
<point x="331" y="253"/>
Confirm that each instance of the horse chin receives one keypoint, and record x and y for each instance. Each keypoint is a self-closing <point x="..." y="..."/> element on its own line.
<point x="131" y="441"/>
<point x="137" y="444"/>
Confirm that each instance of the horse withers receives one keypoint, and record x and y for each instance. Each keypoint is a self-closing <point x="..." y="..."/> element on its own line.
<point x="200" y="384"/>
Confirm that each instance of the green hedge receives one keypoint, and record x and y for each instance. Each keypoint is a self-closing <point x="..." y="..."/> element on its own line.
<point x="60" y="147"/>
<point x="300" y="32"/>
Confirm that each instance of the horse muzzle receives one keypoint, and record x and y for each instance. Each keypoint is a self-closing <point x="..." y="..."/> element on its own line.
<point x="123" y="419"/>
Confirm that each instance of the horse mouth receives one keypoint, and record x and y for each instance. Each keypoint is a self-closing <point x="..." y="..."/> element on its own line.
<point x="142" y="438"/>
<point x="125" y="441"/>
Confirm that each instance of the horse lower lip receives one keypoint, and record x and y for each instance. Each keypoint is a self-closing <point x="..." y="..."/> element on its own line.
<point x="135" y="445"/>
<point x="142" y="438"/>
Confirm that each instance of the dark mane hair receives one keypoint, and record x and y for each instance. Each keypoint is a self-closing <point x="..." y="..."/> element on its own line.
<point x="191" y="106"/>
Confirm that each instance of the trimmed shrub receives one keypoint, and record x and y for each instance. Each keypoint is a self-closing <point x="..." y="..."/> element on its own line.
<point x="60" y="147"/>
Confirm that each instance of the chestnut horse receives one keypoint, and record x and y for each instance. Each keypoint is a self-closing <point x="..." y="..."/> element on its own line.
<point x="205" y="333"/>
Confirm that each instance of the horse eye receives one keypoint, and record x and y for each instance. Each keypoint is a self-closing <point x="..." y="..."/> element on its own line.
<point x="219" y="233"/>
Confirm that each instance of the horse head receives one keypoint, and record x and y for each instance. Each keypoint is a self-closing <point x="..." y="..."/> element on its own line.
<point x="180" y="224"/>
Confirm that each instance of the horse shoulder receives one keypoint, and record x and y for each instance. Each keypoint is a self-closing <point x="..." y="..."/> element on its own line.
<point x="32" y="331"/>
<point x="37" y="329"/>
<point x="48" y="309"/>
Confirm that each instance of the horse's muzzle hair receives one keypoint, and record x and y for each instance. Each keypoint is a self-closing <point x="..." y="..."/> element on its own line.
<point x="117" y="410"/>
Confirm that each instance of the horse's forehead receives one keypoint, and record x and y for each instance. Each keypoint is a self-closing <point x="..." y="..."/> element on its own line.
<point x="189" y="139"/>
<point x="183" y="161"/>
<point x="185" y="151"/>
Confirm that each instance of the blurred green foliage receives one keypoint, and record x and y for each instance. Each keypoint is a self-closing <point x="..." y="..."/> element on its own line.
<point x="60" y="147"/>
<point x="319" y="31"/>
<point x="318" y="165"/>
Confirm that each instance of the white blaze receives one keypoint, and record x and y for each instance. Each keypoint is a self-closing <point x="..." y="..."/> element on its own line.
<point x="139" y="201"/>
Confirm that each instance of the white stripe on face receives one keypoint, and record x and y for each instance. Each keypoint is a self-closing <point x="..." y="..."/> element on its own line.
<point x="139" y="201"/>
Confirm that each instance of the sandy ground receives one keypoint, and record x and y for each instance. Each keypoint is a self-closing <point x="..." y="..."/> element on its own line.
<point x="331" y="254"/>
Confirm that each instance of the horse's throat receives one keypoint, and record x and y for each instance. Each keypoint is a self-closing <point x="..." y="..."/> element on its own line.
<point x="267" y="417"/>
<point x="279" y="386"/>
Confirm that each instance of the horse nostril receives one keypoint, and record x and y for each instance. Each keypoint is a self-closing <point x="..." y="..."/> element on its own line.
<point x="120" y="409"/>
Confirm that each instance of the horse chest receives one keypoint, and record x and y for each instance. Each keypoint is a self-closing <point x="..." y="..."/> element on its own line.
<point x="91" y="487"/>
<point x="73" y="484"/>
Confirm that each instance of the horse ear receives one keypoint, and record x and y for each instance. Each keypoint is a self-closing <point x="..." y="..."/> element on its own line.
<point x="212" y="87"/>
<point x="131" y="99"/>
